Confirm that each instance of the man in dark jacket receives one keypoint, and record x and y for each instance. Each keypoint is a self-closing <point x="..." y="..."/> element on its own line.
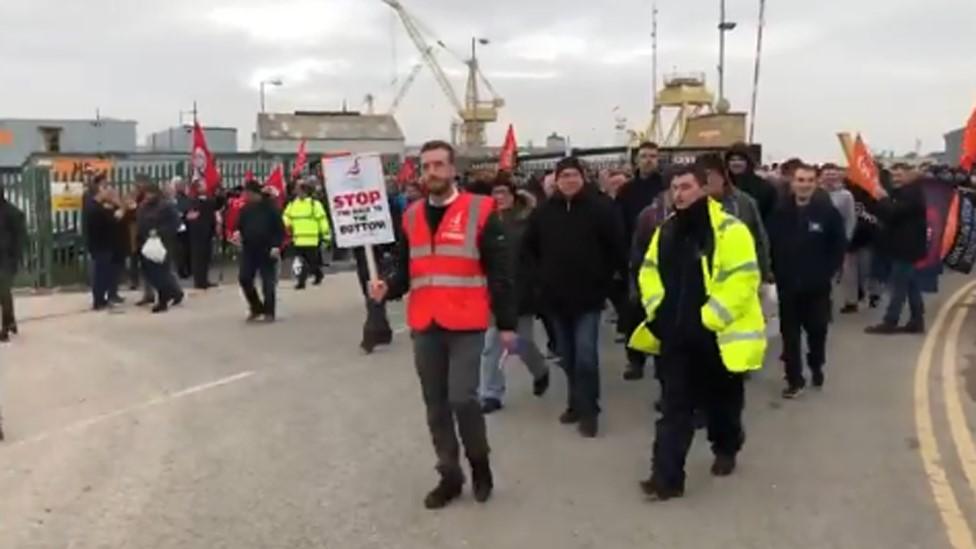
<point x="742" y="168"/>
<point x="514" y="210"/>
<point x="201" y="224"/>
<point x="182" y="250"/>
<point x="13" y="238"/>
<point x="904" y="241"/>
<point x="157" y="217"/>
<point x="632" y="198"/>
<point x="808" y="240"/>
<point x="260" y="233"/>
<point x="101" y="226"/>
<point x="575" y="243"/>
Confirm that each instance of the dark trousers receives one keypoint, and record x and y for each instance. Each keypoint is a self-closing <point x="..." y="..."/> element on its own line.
<point x="160" y="277"/>
<point x="201" y="253"/>
<point x="694" y="377"/>
<point x="104" y="277"/>
<point x="7" y="298"/>
<point x="311" y="264"/>
<point x="448" y="365"/>
<point x="804" y="312"/>
<point x="183" y="255"/>
<point x="254" y="264"/>
<point x="376" y="329"/>
<point x="134" y="269"/>
<point x="577" y="339"/>
<point x="550" y="334"/>
<point x="903" y="286"/>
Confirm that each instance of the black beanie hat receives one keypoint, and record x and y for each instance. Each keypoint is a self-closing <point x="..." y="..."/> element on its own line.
<point x="570" y="163"/>
<point x="253" y="186"/>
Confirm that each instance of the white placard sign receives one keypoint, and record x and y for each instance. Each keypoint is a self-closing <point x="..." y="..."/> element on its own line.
<point x="357" y="198"/>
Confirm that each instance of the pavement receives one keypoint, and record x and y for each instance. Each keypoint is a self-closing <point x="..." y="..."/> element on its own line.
<point x="194" y="430"/>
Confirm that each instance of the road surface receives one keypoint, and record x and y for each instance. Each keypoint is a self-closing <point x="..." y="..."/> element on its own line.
<point x="193" y="430"/>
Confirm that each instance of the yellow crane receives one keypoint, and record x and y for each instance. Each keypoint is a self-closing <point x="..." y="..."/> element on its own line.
<point x="475" y="113"/>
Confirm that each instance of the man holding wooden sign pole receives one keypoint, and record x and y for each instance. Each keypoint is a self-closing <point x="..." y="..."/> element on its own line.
<point x="455" y="263"/>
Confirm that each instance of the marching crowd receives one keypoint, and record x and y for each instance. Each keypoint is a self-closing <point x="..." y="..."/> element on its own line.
<point x="690" y="258"/>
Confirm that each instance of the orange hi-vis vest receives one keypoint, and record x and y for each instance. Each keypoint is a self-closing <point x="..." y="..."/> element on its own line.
<point x="448" y="286"/>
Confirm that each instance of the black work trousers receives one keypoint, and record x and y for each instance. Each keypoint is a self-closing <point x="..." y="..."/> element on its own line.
<point x="694" y="377"/>
<point x="201" y="255"/>
<point x="804" y="312"/>
<point x="449" y="367"/>
<point x="7" y="298"/>
<point x="311" y="264"/>
<point x="252" y="264"/>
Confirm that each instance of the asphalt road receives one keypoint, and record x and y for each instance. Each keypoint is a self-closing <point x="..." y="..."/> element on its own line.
<point x="193" y="430"/>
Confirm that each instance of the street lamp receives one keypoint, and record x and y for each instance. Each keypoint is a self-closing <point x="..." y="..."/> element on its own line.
<point x="723" y="27"/>
<point x="273" y="82"/>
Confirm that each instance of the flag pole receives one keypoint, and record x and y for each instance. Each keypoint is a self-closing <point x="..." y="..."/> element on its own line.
<point x="755" y="76"/>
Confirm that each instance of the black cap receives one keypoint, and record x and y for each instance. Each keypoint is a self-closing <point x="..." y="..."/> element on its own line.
<point x="569" y="163"/>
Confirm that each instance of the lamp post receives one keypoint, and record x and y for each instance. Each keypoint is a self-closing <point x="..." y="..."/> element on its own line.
<point x="273" y="82"/>
<point x="723" y="27"/>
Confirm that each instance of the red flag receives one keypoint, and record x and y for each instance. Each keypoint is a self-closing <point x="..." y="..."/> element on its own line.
<point x="407" y="173"/>
<point x="276" y="184"/>
<point x="506" y="160"/>
<point x="861" y="169"/>
<point x="202" y="163"/>
<point x="299" y="168"/>
<point x="968" y="158"/>
<point x="248" y="176"/>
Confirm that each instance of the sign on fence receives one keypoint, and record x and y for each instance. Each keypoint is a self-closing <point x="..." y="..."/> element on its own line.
<point x="359" y="205"/>
<point x="66" y="196"/>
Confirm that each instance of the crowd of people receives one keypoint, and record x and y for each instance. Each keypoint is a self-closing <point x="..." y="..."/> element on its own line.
<point x="693" y="261"/>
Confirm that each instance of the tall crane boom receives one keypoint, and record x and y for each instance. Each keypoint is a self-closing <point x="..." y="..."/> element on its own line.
<point x="427" y="52"/>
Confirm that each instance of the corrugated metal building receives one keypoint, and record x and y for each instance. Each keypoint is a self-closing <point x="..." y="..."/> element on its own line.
<point x="19" y="138"/>
<point x="953" y="147"/>
<point x="180" y="138"/>
<point x="329" y="132"/>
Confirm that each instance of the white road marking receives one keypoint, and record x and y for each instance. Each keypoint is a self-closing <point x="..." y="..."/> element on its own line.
<point x="86" y="423"/>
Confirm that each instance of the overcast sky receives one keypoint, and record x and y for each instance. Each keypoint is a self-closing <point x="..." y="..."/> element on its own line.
<point x="898" y="70"/>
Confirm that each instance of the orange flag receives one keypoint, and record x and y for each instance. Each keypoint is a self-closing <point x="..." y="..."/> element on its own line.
<point x="506" y="161"/>
<point x="861" y="169"/>
<point x="968" y="158"/>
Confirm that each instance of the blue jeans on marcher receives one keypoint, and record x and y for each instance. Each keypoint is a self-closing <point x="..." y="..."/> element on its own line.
<point x="493" y="372"/>
<point x="903" y="285"/>
<point x="577" y="339"/>
<point x="104" y="280"/>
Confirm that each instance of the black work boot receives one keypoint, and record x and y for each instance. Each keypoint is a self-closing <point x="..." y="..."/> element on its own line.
<point x="588" y="427"/>
<point x="654" y="491"/>
<point x="723" y="466"/>
<point x="634" y="372"/>
<point x="569" y="417"/>
<point x="446" y="491"/>
<point x="482" y="482"/>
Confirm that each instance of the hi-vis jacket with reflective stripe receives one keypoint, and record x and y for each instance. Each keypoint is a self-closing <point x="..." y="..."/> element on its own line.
<point x="733" y="311"/>
<point x="448" y="285"/>
<point x="306" y="219"/>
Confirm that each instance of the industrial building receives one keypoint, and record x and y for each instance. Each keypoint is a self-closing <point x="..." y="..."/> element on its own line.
<point x="329" y="132"/>
<point x="179" y="139"/>
<point x="953" y="147"/>
<point x="19" y="138"/>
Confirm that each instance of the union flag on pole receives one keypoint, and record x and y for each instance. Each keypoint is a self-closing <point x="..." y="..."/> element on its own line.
<point x="299" y="168"/>
<point x="202" y="163"/>
<point x="276" y="184"/>
<point x="861" y="169"/>
<point x="968" y="158"/>
<point x="407" y="173"/>
<point x="506" y="160"/>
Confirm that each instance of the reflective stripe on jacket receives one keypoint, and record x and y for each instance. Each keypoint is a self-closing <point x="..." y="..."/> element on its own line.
<point x="733" y="311"/>
<point x="448" y="285"/>
<point x="306" y="219"/>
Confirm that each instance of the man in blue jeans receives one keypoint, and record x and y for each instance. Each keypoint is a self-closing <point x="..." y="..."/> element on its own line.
<point x="575" y="241"/>
<point x="904" y="241"/>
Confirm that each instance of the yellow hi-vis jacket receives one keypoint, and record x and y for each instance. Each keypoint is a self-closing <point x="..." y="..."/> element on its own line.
<point x="306" y="219"/>
<point x="733" y="311"/>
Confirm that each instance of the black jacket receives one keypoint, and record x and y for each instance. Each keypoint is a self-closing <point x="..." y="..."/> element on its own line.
<point x="102" y="229"/>
<point x="13" y="236"/>
<point x="205" y="225"/>
<point x="808" y="244"/>
<point x="494" y="250"/>
<point x="685" y="239"/>
<point x="868" y="227"/>
<point x="515" y="223"/>
<point x="904" y="236"/>
<point x="159" y="215"/>
<point x="762" y="191"/>
<point x="578" y="249"/>
<point x="633" y="197"/>
<point x="261" y="227"/>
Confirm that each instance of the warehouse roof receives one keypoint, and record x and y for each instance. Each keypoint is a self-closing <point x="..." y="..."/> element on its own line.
<point x="329" y="126"/>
